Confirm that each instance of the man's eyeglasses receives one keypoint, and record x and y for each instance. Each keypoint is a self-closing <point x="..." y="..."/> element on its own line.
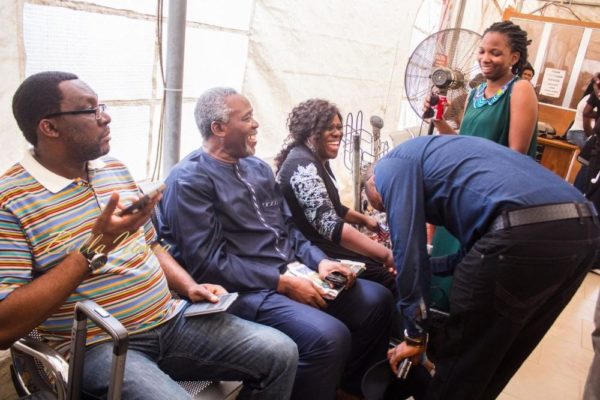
<point x="96" y="111"/>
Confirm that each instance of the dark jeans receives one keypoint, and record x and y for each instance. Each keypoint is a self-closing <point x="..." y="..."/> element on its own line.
<point x="374" y="272"/>
<point x="506" y="293"/>
<point x="336" y="345"/>
<point x="581" y="180"/>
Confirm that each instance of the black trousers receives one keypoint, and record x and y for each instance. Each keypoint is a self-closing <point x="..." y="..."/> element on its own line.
<point x="506" y="294"/>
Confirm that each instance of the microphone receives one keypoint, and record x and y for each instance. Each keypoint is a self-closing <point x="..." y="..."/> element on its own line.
<point x="377" y="124"/>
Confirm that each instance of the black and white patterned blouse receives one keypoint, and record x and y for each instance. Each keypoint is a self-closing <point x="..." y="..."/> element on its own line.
<point x="310" y="189"/>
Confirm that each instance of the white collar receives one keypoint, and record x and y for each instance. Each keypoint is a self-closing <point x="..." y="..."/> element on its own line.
<point x="51" y="181"/>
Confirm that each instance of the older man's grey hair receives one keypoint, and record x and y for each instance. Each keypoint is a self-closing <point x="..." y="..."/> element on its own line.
<point x="211" y="107"/>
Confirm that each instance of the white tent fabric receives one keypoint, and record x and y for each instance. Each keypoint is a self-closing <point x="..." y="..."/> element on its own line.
<point x="351" y="53"/>
<point x="276" y="52"/>
<point x="11" y="64"/>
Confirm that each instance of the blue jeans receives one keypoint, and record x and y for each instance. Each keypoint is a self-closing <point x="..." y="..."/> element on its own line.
<point x="578" y="138"/>
<point x="211" y="347"/>
<point x="337" y="345"/>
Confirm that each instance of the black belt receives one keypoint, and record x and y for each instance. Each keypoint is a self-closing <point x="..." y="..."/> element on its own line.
<point x="538" y="214"/>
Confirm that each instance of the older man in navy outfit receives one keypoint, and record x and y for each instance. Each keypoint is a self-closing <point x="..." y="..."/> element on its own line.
<point x="226" y="218"/>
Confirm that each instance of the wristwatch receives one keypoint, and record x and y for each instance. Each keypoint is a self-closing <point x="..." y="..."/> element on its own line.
<point x="95" y="260"/>
<point x="414" y="342"/>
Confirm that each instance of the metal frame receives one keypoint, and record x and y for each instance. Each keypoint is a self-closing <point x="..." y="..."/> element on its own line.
<point x="36" y="367"/>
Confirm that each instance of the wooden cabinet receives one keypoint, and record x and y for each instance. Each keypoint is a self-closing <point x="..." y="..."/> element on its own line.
<point x="558" y="118"/>
<point x="560" y="157"/>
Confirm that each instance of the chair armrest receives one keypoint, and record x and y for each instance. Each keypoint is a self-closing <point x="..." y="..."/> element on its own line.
<point x="88" y="309"/>
<point x="53" y="362"/>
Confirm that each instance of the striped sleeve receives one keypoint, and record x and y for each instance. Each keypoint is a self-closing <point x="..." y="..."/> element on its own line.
<point x="150" y="233"/>
<point x="15" y="255"/>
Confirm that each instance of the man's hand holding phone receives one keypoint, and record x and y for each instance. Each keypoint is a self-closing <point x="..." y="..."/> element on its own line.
<point x="116" y="219"/>
<point x="398" y="354"/>
<point x="143" y="201"/>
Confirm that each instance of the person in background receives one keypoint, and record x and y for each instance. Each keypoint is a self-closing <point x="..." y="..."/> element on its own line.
<point x="582" y="126"/>
<point x="504" y="296"/>
<point x="503" y="109"/>
<point x="593" y="103"/>
<point x="61" y="242"/>
<point x="528" y="72"/>
<point x="588" y="116"/>
<point x="226" y="220"/>
<point x="310" y="189"/>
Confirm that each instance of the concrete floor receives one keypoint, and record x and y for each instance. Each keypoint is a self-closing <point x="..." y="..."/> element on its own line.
<point x="7" y="391"/>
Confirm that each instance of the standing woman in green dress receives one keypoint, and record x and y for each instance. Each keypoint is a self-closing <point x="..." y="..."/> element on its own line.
<point x="504" y="108"/>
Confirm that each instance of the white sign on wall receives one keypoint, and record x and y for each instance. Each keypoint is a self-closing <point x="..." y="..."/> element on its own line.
<point x="553" y="82"/>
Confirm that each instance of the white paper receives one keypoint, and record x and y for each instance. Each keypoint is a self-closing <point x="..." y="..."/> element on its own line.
<point x="553" y="82"/>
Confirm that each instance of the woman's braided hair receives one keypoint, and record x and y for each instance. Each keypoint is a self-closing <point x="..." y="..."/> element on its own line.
<point x="517" y="40"/>
<point x="308" y="117"/>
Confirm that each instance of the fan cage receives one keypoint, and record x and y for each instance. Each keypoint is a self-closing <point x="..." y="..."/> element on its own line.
<point x="455" y="49"/>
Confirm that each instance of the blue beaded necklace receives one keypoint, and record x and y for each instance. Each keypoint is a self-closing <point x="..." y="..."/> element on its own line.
<point x="479" y="99"/>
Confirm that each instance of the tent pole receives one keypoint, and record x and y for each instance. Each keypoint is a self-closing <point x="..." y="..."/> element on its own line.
<point x="356" y="161"/>
<point x="174" y="83"/>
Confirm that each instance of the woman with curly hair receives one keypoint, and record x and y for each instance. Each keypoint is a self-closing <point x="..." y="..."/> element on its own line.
<point x="310" y="189"/>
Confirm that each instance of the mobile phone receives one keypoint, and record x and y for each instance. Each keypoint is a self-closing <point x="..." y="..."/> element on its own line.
<point x="433" y="100"/>
<point x="337" y="279"/>
<point x="403" y="368"/>
<point x="143" y="201"/>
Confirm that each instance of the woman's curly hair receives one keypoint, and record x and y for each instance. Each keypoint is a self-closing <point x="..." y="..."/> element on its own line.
<point x="308" y="117"/>
<point x="517" y="40"/>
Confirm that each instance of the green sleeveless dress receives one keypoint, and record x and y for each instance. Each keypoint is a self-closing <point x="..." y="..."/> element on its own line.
<point x="490" y="122"/>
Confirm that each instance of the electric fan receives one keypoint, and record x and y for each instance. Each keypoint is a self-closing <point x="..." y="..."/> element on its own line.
<point x="444" y="64"/>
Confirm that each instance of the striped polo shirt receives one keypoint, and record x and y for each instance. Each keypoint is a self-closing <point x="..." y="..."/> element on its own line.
<point x="44" y="216"/>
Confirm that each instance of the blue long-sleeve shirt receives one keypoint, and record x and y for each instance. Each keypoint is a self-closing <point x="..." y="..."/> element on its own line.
<point x="229" y="224"/>
<point x="461" y="183"/>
